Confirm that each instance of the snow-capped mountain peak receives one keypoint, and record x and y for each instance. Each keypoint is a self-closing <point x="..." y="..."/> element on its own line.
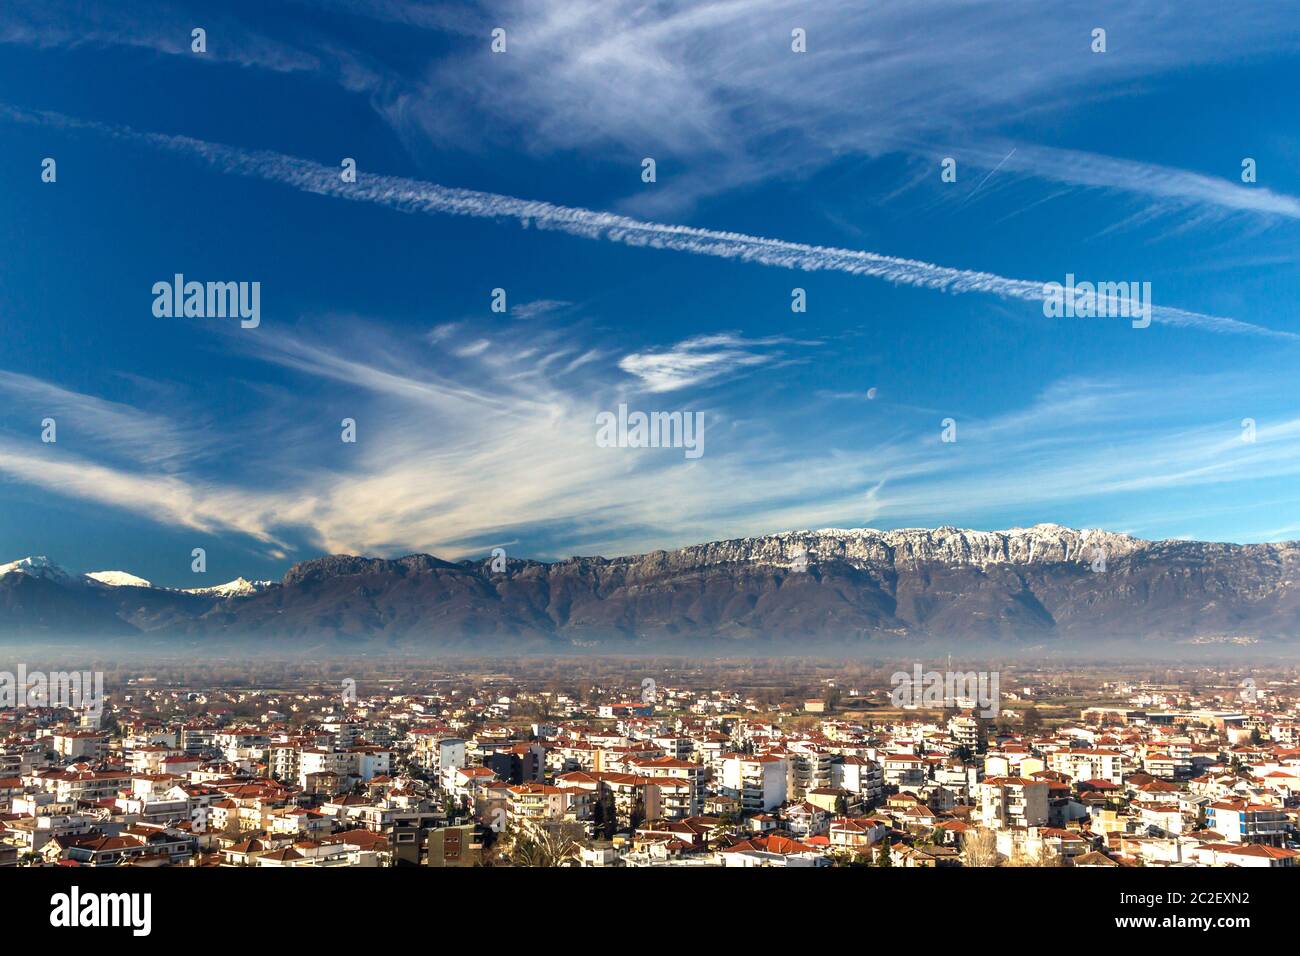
<point x="36" y="566"/>
<point x="236" y="588"/>
<point x="118" y="579"/>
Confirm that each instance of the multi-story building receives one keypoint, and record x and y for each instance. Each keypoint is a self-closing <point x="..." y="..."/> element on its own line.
<point x="1168" y="766"/>
<point x="903" y="771"/>
<point x="317" y="761"/>
<point x="1243" y="822"/>
<point x="80" y="782"/>
<point x="970" y="732"/>
<point x="539" y="802"/>
<point x="1088" y="764"/>
<point x="75" y="745"/>
<point x="681" y="784"/>
<point x="860" y="776"/>
<point x="809" y="768"/>
<point x="758" y="782"/>
<point x="1012" y="802"/>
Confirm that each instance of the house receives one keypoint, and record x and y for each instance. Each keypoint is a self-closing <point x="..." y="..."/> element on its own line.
<point x="773" y="851"/>
<point x="856" y="833"/>
<point x="806" y="819"/>
<point x="1249" y="855"/>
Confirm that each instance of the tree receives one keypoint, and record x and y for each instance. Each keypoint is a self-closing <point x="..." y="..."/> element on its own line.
<point x="541" y="848"/>
<point x="883" y="855"/>
<point x="981" y="849"/>
<point x="606" y="815"/>
<point x="1046" y="856"/>
<point x="1032" y="721"/>
<point x="850" y="859"/>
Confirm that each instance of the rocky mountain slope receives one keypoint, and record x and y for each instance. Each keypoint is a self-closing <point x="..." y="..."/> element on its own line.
<point x="1046" y="583"/>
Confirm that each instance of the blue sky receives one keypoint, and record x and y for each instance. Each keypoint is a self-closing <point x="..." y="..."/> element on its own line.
<point x="477" y="429"/>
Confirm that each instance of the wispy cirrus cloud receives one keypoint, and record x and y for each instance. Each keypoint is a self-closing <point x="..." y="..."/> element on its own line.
<point x="1160" y="183"/>
<point x="154" y="26"/>
<point x="700" y="360"/>
<point x="538" y="308"/>
<point x="174" y="499"/>
<point x="461" y="450"/>
<point x="714" y="83"/>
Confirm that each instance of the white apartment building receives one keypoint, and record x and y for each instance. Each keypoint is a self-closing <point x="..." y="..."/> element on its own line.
<point x="681" y="784"/>
<point x="1243" y="822"/>
<point x="1088" y="764"/>
<point x="1012" y="802"/>
<point x="317" y="760"/>
<point x="808" y="769"/>
<point x="758" y="782"/>
<point x="860" y="776"/>
<point x="440" y="753"/>
<point x="904" y="771"/>
<point x="539" y="802"/>
<point x="81" y="745"/>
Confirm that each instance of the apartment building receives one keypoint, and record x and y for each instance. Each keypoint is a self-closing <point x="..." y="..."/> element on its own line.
<point x="1243" y="822"/>
<point x="76" y="745"/>
<point x="859" y="776"/>
<point x="436" y="750"/>
<point x="809" y="768"/>
<point x="80" y="782"/>
<point x="759" y="782"/>
<point x="970" y="732"/>
<point x="315" y="762"/>
<point x="538" y="802"/>
<point x="1012" y="802"/>
<point x="904" y="771"/>
<point x="1168" y="766"/>
<point x="1088" y="764"/>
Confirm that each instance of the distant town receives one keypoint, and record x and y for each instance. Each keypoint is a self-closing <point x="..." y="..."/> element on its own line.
<point x="650" y="763"/>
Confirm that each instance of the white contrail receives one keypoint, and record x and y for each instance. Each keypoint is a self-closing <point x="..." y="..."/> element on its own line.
<point x="418" y="196"/>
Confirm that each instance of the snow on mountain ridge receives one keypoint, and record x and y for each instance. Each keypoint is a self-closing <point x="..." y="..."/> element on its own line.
<point x="37" y="566"/>
<point x="859" y="547"/>
<point x="1043" y="543"/>
<point x="238" y="587"/>
<point x="118" y="579"/>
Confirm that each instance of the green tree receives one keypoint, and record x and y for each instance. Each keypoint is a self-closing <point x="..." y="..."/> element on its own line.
<point x="608" y="815"/>
<point x="541" y="848"/>
<point x="1032" y="721"/>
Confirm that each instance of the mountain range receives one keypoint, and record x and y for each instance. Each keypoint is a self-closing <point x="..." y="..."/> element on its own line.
<point x="1046" y="584"/>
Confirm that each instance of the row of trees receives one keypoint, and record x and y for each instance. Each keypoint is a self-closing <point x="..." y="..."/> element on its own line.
<point x="978" y="850"/>
<point x="605" y="817"/>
